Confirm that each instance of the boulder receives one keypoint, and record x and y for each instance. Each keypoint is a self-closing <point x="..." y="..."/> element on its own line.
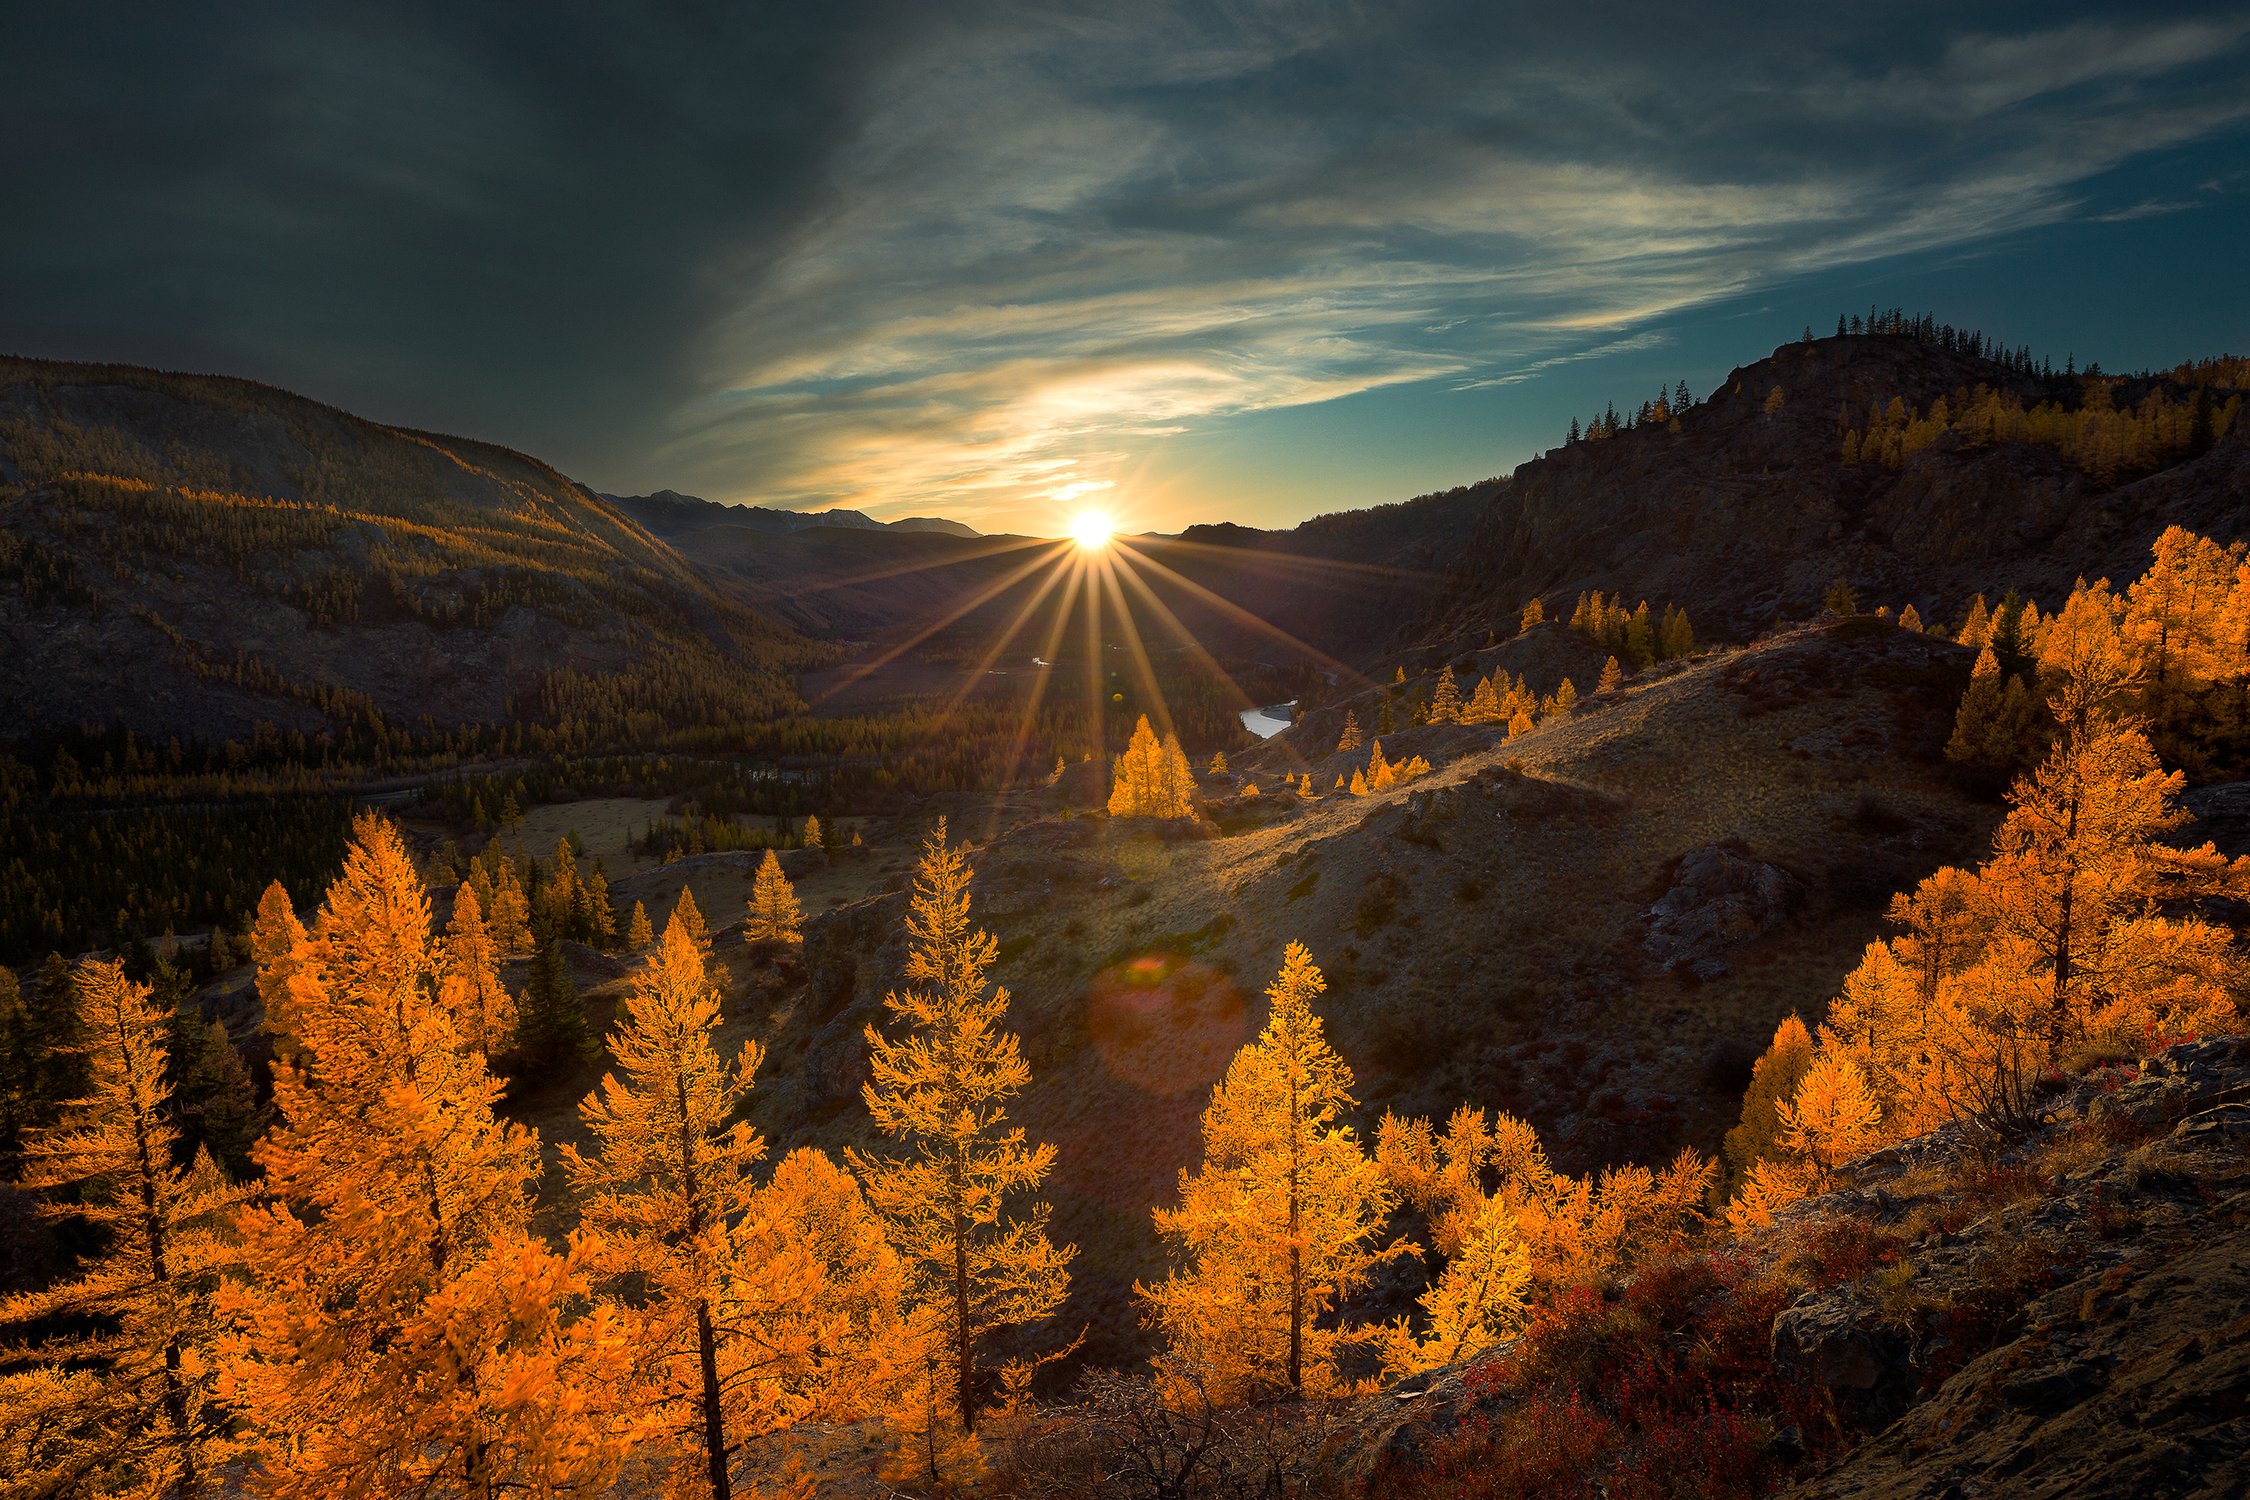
<point x="1718" y="901"/>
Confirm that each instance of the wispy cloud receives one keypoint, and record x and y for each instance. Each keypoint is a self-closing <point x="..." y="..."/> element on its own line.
<point x="1051" y="247"/>
<point x="978" y="257"/>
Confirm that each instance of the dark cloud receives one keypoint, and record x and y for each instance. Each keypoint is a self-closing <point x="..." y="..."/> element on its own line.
<point x="980" y="259"/>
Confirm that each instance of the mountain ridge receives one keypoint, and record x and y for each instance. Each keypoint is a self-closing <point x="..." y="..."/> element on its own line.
<point x="670" y="512"/>
<point x="1743" y="508"/>
<point x="198" y="555"/>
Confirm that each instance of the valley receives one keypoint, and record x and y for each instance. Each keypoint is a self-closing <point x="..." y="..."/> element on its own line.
<point x="1576" y="786"/>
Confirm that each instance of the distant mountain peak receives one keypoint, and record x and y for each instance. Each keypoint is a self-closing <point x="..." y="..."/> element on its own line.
<point x="668" y="512"/>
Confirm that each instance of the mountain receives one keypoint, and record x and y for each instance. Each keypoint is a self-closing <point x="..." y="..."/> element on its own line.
<point x="197" y="556"/>
<point x="1341" y="584"/>
<point x="934" y="523"/>
<point x="1345" y="584"/>
<point x="851" y="583"/>
<point x="1742" y="507"/>
<point x="669" y="513"/>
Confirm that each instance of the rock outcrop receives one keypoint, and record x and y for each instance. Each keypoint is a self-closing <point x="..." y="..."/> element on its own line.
<point x="1719" y="899"/>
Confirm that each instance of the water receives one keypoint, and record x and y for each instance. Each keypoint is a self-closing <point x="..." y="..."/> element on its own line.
<point x="1269" y="721"/>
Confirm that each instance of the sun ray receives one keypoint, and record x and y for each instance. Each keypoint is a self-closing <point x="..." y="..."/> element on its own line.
<point x="1201" y="652"/>
<point x="976" y="600"/>
<point x="1000" y="642"/>
<point x="928" y="565"/>
<point x="1024" y="726"/>
<point x="1106" y="569"/>
<point x="1228" y="607"/>
<point x="1096" y="708"/>
<point x="1266" y="557"/>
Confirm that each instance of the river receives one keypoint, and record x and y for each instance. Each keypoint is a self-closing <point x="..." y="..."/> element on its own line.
<point x="1269" y="721"/>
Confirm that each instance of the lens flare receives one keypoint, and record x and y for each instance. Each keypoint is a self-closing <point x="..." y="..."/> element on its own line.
<point x="1091" y="530"/>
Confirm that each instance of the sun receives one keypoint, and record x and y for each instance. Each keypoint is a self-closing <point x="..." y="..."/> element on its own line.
<point x="1091" y="530"/>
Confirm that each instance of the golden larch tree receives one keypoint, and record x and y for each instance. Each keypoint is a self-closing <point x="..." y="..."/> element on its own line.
<point x="468" y="964"/>
<point x="1976" y="625"/>
<point x="1176" y="784"/>
<point x="690" y="916"/>
<point x="671" y="1179"/>
<point x="1445" y="699"/>
<point x="275" y="938"/>
<point x="639" y="935"/>
<point x="1833" y="1117"/>
<point x="774" y="915"/>
<point x="2085" y="669"/>
<point x="751" y="1307"/>
<point x="957" y="1194"/>
<point x="398" y="1326"/>
<point x="126" y="1407"/>
<point x="1479" y="1298"/>
<point x="1349" y="739"/>
<point x="1277" y="1225"/>
<point x="812" y="835"/>
<point x="1571" y="1228"/>
<point x="1380" y="776"/>
<point x="1773" y="1082"/>
<point x="1152" y="778"/>
<point x="1612" y="675"/>
<point x="508" y="914"/>
<point x="1484" y="704"/>
<point x="2077" y="863"/>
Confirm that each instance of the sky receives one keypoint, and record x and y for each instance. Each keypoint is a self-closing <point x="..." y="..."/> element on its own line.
<point x="1006" y="262"/>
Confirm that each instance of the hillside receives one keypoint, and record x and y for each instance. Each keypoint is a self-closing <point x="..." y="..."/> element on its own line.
<point x="194" y="556"/>
<point x="854" y="583"/>
<point x="1524" y="928"/>
<point x="1343" y="583"/>
<point x="2063" y="1315"/>
<point x="1746" y="514"/>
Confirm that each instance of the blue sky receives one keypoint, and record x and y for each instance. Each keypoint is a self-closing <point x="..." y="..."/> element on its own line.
<point x="1004" y="261"/>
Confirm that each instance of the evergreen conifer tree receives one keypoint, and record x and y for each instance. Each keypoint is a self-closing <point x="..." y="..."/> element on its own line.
<point x="1675" y="637"/>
